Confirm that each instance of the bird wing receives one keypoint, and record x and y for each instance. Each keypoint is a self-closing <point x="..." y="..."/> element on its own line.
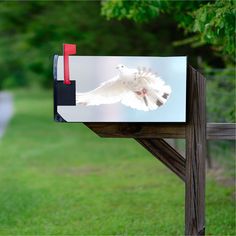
<point x="108" y="92"/>
<point x="151" y="101"/>
<point x="150" y="78"/>
<point x="157" y="92"/>
<point x="154" y="82"/>
<point x="134" y="101"/>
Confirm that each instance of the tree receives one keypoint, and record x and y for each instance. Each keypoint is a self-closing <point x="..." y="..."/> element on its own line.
<point x="205" y="22"/>
<point x="31" y="32"/>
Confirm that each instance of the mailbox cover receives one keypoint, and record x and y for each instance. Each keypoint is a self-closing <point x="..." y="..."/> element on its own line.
<point x="120" y="89"/>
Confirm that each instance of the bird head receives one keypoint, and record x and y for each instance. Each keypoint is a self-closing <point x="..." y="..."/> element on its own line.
<point x="121" y="67"/>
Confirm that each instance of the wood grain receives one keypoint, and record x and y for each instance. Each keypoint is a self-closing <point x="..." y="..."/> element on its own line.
<point x="226" y="131"/>
<point x="138" y="130"/>
<point x="195" y="155"/>
<point x="157" y="130"/>
<point x="166" y="154"/>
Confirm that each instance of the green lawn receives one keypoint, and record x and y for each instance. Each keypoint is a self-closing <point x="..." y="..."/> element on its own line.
<point x="62" y="179"/>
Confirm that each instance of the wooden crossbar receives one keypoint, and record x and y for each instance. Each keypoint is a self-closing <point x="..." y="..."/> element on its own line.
<point x="225" y="131"/>
<point x="166" y="154"/>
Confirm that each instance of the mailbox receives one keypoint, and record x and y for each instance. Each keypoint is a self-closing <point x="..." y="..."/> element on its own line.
<point x="119" y="88"/>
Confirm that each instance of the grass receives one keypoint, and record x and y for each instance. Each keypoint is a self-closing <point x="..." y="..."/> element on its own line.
<point x="61" y="179"/>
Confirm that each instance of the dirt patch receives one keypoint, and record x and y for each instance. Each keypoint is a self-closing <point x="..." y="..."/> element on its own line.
<point x="218" y="172"/>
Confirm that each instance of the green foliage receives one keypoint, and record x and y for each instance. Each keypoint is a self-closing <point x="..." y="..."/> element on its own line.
<point x="205" y="23"/>
<point x="31" y="32"/>
<point x="213" y="22"/>
<point x="139" y="11"/>
<point x="221" y="99"/>
<point x="215" y="25"/>
<point x="16" y="53"/>
<point x="146" y="10"/>
<point x="52" y="183"/>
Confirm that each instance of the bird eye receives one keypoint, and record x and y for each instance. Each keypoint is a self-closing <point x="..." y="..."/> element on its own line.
<point x="122" y="66"/>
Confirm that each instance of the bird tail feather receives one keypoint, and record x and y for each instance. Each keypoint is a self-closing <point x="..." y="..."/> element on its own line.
<point x="159" y="98"/>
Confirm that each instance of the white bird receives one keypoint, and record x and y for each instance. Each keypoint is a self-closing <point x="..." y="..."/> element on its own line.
<point x="136" y="88"/>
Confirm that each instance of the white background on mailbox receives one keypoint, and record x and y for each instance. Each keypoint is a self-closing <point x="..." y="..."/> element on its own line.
<point x="90" y="71"/>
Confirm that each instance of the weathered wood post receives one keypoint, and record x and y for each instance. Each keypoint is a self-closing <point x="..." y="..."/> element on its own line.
<point x="190" y="169"/>
<point x="195" y="155"/>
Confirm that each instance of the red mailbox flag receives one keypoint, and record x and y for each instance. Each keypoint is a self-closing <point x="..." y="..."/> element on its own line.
<point x="69" y="49"/>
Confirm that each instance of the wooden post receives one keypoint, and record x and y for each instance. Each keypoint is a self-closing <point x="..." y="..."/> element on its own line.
<point x="195" y="155"/>
<point x="192" y="169"/>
